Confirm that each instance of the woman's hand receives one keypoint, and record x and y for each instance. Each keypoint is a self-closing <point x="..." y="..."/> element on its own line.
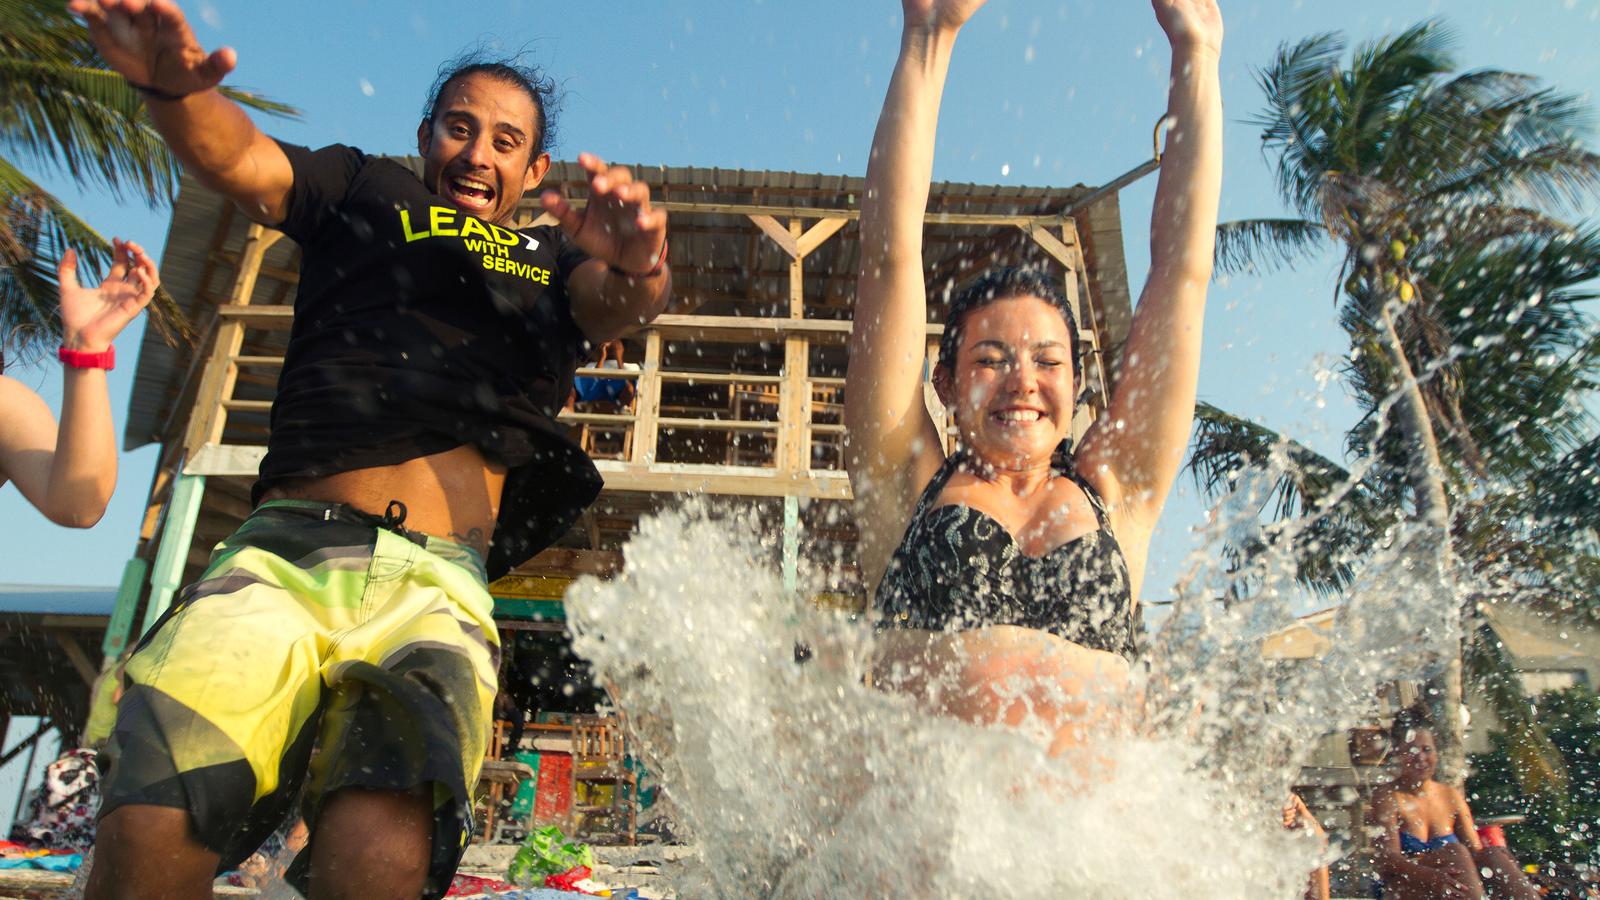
<point x="92" y="317"/>
<point x="1296" y="816"/>
<point x="1191" y="24"/>
<point x="939" y="15"/>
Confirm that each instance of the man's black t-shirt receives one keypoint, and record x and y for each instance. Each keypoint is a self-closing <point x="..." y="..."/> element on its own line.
<point x="419" y="328"/>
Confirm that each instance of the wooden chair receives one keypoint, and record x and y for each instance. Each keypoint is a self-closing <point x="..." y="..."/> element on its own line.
<point x="499" y="779"/>
<point x="598" y="753"/>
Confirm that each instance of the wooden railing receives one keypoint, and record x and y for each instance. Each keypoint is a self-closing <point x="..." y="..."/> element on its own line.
<point x="778" y="433"/>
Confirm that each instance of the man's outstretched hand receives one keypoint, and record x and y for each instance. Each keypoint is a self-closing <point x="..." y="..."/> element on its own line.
<point x="150" y="43"/>
<point x="617" y="226"/>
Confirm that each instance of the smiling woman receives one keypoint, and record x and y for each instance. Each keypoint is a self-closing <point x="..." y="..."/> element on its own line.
<point x="1019" y="559"/>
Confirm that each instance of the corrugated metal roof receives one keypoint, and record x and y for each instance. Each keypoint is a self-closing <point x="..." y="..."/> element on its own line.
<point x="49" y="599"/>
<point x="720" y="266"/>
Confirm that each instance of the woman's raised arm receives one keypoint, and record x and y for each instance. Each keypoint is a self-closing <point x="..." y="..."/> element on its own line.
<point x="893" y="445"/>
<point x="1141" y="441"/>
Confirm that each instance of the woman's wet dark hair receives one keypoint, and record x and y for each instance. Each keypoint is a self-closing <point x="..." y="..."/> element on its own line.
<point x="1408" y="723"/>
<point x="1004" y="284"/>
<point x="540" y="88"/>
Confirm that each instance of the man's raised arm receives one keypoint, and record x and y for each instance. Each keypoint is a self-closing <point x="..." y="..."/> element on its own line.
<point x="150" y="44"/>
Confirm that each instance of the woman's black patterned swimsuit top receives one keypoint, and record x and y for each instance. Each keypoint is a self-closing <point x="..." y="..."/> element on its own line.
<point x="958" y="568"/>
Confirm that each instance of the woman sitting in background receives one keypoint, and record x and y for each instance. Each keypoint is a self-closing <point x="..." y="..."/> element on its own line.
<point x="1427" y="844"/>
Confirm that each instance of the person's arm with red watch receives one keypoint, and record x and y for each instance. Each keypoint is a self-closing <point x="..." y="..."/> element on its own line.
<point x="69" y="472"/>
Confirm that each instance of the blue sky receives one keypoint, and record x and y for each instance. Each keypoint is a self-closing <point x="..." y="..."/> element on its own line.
<point x="1040" y="93"/>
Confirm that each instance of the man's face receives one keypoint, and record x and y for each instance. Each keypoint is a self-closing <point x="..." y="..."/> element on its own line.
<point x="478" y="149"/>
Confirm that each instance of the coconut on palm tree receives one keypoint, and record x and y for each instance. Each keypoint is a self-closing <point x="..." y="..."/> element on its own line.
<point x="62" y="112"/>
<point x="1461" y="290"/>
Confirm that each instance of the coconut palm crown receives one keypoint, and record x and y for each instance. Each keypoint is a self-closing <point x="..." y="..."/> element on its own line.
<point x="1463" y="285"/>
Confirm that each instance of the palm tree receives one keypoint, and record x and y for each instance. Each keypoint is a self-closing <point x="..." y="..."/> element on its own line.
<point x="63" y="112"/>
<point x="1460" y="290"/>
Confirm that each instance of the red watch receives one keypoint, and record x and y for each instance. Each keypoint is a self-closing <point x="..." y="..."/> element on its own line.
<point x="85" y="359"/>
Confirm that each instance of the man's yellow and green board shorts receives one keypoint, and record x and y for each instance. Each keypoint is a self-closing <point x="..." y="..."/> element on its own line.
<point x="320" y="650"/>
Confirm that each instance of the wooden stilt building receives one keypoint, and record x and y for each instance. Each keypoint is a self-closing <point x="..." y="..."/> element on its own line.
<point x="738" y="389"/>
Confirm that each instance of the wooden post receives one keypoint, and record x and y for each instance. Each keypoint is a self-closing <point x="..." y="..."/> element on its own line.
<point x="116" y="639"/>
<point x="648" y="402"/>
<point x="1089" y="324"/>
<point x="27" y="767"/>
<point x="794" y="398"/>
<point x="167" y="576"/>
<point x="791" y="543"/>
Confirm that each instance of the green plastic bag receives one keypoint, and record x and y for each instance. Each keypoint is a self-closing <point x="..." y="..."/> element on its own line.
<point x="546" y="852"/>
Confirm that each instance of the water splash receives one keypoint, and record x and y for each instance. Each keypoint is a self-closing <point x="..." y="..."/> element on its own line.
<point x="800" y="780"/>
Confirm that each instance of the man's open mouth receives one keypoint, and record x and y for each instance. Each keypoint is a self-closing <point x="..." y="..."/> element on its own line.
<point x="469" y="193"/>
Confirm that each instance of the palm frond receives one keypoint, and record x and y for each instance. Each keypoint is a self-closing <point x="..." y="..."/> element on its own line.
<point x="1569" y="491"/>
<point x="1294" y="124"/>
<point x="64" y="112"/>
<point x="35" y="230"/>
<point x="87" y="123"/>
<point x="1537" y="764"/>
<point x="1265" y="245"/>
<point x="1334" y="516"/>
<point x="1383" y="75"/>
<point x="1516" y="311"/>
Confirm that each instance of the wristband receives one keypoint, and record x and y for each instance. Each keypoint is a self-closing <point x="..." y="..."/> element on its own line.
<point x="85" y="359"/>
<point x="661" y="263"/>
<point x="155" y="93"/>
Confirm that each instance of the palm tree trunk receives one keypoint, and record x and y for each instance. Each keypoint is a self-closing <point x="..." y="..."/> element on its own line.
<point x="1432" y="544"/>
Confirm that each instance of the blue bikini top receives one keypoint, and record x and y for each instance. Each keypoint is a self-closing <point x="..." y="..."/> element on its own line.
<point x="1413" y="845"/>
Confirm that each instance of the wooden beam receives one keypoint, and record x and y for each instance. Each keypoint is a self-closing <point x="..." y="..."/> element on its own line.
<point x="75" y="655"/>
<point x="816" y="234"/>
<point x="281" y="316"/>
<point x="44" y="726"/>
<point x="734" y="329"/>
<point x="1053" y="245"/>
<point x="686" y="424"/>
<point x="286" y="278"/>
<point x="746" y="481"/>
<point x="647" y="400"/>
<point x="575" y="562"/>
<point x="783" y="238"/>
<point x="694" y="378"/>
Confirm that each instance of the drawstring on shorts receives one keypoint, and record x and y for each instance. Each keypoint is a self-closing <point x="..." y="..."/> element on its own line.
<point x="392" y="520"/>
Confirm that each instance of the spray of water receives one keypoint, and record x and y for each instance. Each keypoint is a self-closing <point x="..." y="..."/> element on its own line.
<point x="801" y="779"/>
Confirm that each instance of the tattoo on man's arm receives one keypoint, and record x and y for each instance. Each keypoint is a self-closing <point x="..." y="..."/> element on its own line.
<point x="473" y="538"/>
